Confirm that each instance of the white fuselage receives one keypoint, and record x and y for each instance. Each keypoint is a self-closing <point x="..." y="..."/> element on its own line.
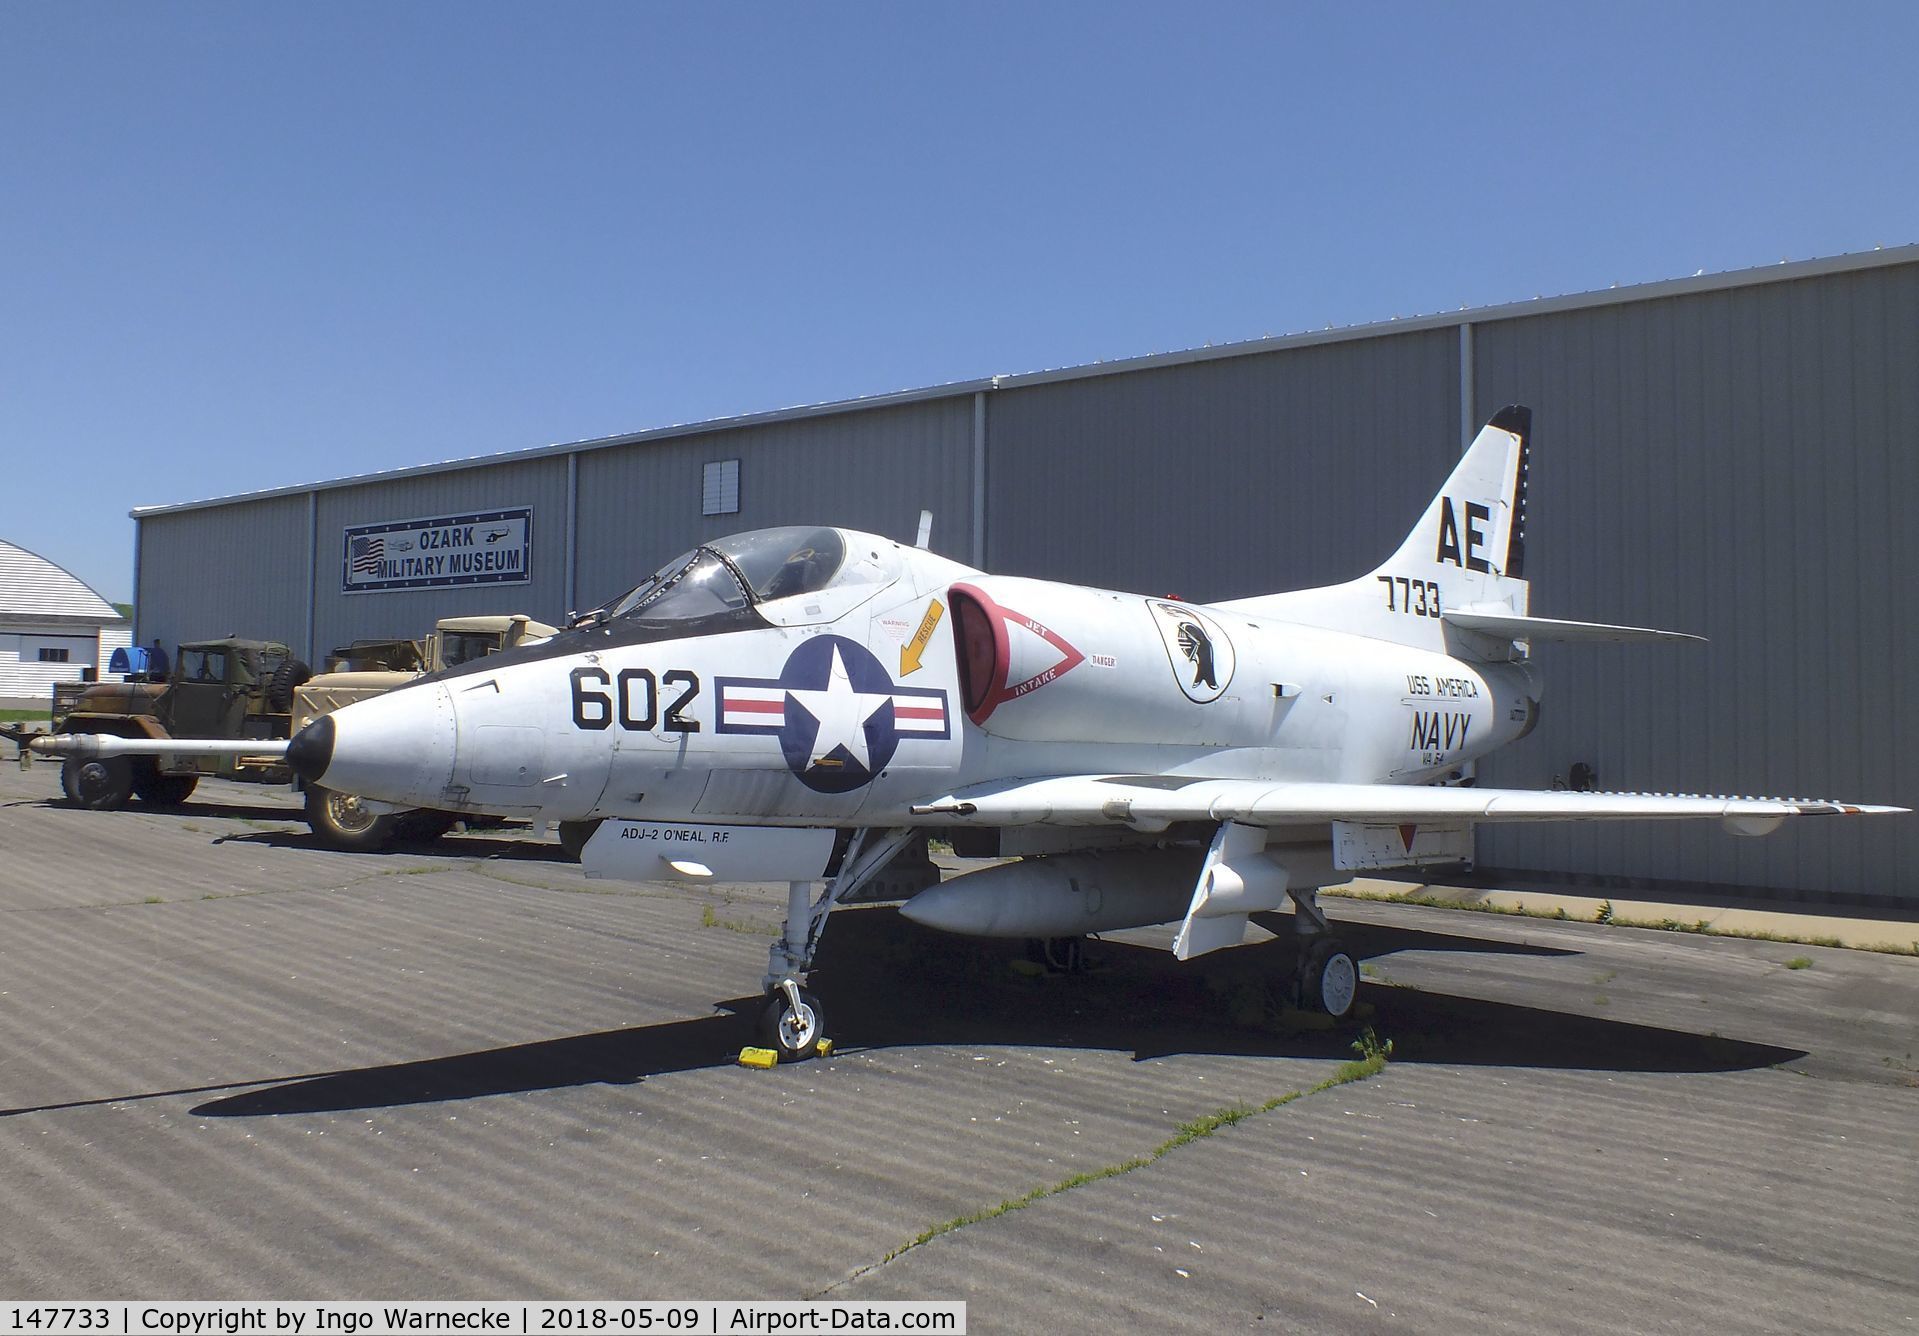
<point x="849" y="715"/>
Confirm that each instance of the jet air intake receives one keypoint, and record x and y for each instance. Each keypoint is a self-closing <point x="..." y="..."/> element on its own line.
<point x="1042" y="662"/>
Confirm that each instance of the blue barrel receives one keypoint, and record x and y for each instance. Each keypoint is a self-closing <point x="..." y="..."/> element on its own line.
<point x="130" y="659"/>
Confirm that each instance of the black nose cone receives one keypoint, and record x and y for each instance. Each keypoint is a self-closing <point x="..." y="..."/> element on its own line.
<point x="311" y="751"/>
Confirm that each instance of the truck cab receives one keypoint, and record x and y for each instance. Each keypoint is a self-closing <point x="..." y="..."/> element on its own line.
<point x="227" y="689"/>
<point x="222" y="689"/>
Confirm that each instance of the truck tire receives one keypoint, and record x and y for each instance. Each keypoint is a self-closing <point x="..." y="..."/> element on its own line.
<point x="341" y="822"/>
<point x="158" y="790"/>
<point x="99" y="783"/>
<point x="290" y="674"/>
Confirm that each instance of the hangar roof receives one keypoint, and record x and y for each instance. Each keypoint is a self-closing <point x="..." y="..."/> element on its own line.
<point x="33" y="589"/>
<point x="1784" y="271"/>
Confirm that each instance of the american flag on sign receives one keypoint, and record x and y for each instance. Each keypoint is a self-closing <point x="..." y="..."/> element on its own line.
<point x="365" y="555"/>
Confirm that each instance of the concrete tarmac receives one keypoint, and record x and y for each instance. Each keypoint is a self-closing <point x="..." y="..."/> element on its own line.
<point x="233" y="1065"/>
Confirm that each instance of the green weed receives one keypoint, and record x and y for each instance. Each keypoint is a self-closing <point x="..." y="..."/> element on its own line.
<point x="1606" y="914"/>
<point x="1373" y="1055"/>
<point x="709" y="919"/>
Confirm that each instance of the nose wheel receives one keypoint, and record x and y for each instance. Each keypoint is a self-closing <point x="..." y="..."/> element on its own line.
<point x="792" y="1023"/>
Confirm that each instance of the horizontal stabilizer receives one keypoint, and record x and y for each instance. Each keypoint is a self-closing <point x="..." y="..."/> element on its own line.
<point x="1507" y="625"/>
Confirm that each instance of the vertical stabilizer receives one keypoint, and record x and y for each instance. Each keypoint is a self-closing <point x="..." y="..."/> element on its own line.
<point x="1472" y="538"/>
<point x="1467" y="551"/>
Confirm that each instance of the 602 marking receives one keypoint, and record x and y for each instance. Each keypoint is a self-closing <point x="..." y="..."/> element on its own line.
<point x="638" y="689"/>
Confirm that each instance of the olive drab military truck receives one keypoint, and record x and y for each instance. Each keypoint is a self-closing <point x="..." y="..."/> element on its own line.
<point x="230" y="689"/>
<point x="368" y="668"/>
<point x="234" y="690"/>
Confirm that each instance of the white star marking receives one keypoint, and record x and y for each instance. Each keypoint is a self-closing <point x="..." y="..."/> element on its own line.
<point x="841" y="713"/>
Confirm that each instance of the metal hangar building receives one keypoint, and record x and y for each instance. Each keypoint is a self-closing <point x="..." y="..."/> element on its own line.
<point x="53" y="628"/>
<point x="1735" y="455"/>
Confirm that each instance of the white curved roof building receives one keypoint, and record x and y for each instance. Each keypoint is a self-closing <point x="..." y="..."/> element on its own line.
<point x="53" y="628"/>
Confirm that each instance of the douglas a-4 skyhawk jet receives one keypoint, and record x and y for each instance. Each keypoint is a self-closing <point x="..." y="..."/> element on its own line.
<point x="795" y="705"/>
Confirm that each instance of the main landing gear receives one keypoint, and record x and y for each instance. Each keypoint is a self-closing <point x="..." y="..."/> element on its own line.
<point x="791" y="1023"/>
<point x="1059" y="955"/>
<point x="1326" y="978"/>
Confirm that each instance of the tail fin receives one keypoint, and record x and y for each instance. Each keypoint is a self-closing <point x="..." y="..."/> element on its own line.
<point x="1472" y="538"/>
<point x="1467" y="551"/>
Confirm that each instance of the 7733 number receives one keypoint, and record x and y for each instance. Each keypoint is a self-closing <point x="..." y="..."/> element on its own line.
<point x="634" y="699"/>
<point x="1418" y="597"/>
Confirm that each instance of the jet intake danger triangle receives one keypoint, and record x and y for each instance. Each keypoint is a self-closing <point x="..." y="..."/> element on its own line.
<point x="1027" y="654"/>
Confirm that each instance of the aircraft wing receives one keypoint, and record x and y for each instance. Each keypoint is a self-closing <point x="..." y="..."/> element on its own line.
<point x="1153" y="802"/>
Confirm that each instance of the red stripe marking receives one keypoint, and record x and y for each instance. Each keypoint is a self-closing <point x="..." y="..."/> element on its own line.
<point x="736" y="706"/>
<point x="918" y="712"/>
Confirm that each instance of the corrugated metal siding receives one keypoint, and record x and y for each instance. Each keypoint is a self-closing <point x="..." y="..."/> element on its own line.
<point x="340" y="618"/>
<point x="873" y="470"/>
<point x="1738" y="464"/>
<point x="33" y="589"/>
<point x="1223" y="479"/>
<point x="1735" y="461"/>
<point x="22" y="675"/>
<point x="239" y="570"/>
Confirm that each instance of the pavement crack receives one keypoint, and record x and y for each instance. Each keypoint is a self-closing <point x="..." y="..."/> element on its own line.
<point x="1373" y="1056"/>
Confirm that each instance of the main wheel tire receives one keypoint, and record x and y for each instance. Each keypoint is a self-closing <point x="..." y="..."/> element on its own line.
<point x="342" y="821"/>
<point x="1328" y="979"/>
<point x="99" y="783"/>
<point x="290" y="674"/>
<point x="157" y="790"/>
<point x="794" y="1035"/>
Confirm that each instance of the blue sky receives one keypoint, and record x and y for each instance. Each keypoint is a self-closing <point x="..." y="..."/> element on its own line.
<point x="248" y="246"/>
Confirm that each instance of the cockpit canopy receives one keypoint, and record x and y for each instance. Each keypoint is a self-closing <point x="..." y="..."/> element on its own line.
<point x="802" y="575"/>
<point x="789" y="576"/>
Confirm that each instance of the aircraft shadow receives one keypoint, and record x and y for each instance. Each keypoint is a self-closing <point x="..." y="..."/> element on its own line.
<point x="468" y="846"/>
<point x="211" y="811"/>
<point x="471" y="844"/>
<point x="885" y="983"/>
<point x="1369" y="940"/>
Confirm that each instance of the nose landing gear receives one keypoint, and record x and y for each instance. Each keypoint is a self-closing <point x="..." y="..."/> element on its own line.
<point x="792" y="1024"/>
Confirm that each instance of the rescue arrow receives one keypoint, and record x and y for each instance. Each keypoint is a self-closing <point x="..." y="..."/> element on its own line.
<point x="911" y="651"/>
